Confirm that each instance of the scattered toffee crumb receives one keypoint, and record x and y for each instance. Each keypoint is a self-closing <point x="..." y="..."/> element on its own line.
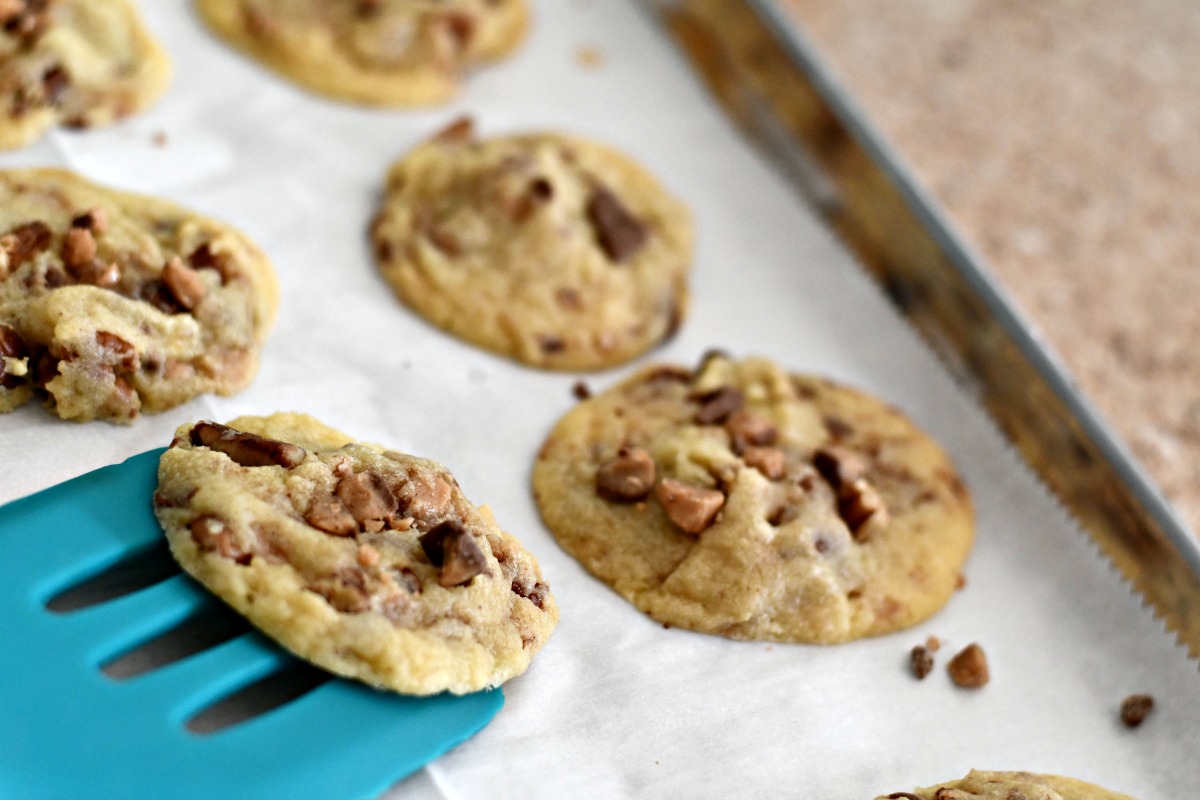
<point x="969" y="669"/>
<point x="159" y="139"/>
<point x="1135" y="709"/>
<point x="589" y="57"/>
<point x="922" y="662"/>
<point x="581" y="390"/>
<point x="933" y="644"/>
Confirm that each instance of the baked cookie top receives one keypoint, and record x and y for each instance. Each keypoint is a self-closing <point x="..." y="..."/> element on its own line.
<point x="364" y="561"/>
<point x="79" y="63"/>
<point x="377" y="52"/>
<point x="550" y="249"/>
<point x="112" y="304"/>
<point x="742" y="501"/>
<point x="1010" y="786"/>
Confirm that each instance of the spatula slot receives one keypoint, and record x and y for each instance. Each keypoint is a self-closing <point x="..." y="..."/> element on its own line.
<point x="202" y="631"/>
<point x="264" y="695"/>
<point x="133" y="573"/>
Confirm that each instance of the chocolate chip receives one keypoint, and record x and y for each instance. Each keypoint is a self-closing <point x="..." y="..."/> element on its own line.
<point x="158" y="295"/>
<point x="839" y="466"/>
<point x="551" y="344"/>
<point x="837" y="428"/>
<point x="859" y="504"/>
<point x="922" y="662"/>
<point x="626" y="478"/>
<point x="535" y="595"/>
<point x="581" y="391"/>
<point x="204" y="257"/>
<point x="11" y="346"/>
<point x="328" y="514"/>
<point x="691" y="508"/>
<point x="183" y="283"/>
<point x="619" y="234"/>
<point x="969" y="669"/>
<point x="24" y="242"/>
<point x="718" y="405"/>
<point x="451" y="547"/>
<point x="247" y="449"/>
<point x="1135" y="709"/>
<point x="94" y="220"/>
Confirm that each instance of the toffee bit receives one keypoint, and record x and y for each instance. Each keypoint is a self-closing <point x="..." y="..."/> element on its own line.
<point x="618" y="232"/>
<point x="626" y="478"/>
<point x="452" y="548"/>
<point x="719" y="405"/>
<point x="969" y="669"/>
<point x="581" y="391"/>
<point x="692" y="508"/>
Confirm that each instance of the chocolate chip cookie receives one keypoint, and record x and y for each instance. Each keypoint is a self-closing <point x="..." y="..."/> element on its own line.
<point x="1010" y="786"/>
<point x="377" y="52"/>
<point x="113" y="304"/>
<point x="364" y="561"/>
<point x="550" y="249"/>
<point x="739" y="500"/>
<point x="79" y="63"/>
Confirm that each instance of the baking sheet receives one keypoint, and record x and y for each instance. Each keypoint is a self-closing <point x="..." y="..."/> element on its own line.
<point x="616" y="706"/>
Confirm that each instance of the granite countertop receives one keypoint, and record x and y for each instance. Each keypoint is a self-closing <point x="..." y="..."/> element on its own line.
<point x="1063" y="140"/>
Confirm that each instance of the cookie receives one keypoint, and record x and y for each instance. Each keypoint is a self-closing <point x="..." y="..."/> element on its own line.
<point x="550" y="249"/>
<point x="376" y="52"/>
<point x="364" y="561"/>
<point x="1010" y="786"/>
<point x="113" y="304"/>
<point x="78" y="63"/>
<point x="742" y="501"/>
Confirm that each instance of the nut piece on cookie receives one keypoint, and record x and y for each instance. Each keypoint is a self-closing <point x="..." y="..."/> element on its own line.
<point x="376" y="52"/>
<point x="550" y="249"/>
<point x="969" y="669"/>
<point x="350" y="556"/>
<point x="122" y="304"/>
<point x="75" y="63"/>
<point x="768" y="521"/>
<point x="982" y="785"/>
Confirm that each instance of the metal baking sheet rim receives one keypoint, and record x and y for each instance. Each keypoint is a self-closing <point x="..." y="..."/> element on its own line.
<point x="833" y="154"/>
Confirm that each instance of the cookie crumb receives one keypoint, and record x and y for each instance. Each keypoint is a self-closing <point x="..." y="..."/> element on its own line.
<point x="933" y="644"/>
<point x="922" y="662"/>
<point x="960" y="582"/>
<point x="589" y="57"/>
<point x="1135" y="709"/>
<point x="969" y="669"/>
<point x="159" y="139"/>
<point x="581" y="390"/>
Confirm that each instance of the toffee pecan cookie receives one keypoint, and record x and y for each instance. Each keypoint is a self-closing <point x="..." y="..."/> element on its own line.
<point x="746" y="502"/>
<point x="553" y="250"/>
<point x="112" y="304"/>
<point x="1009" y="786"/>
<point x="79" y="63"/>
<point x="378" y="52"/>
<point x="369" y="563"/>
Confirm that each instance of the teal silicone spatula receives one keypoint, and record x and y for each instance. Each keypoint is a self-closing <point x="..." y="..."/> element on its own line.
<point x="70" y="729"/>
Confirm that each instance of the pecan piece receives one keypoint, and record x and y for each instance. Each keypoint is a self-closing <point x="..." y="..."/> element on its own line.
<point x="691" y="508"/>
<point x="24" y="242"/>
<point x="1135" y="709"/>
<point x="451" y="547"/>
<point x="330" y="515"/>
<point x="747" y="429"/>
<point x="247" y="449"/>
<point x="626" y="478"/>
<point x="94" y="220"/>
<point x="79" y="249"/>
<point x="719" y="405"/>
<point x="368" y="499"/>
<point x="183" y="283"/>
<point x="767" y="460"/>
<point x="618" y="232"/>
<point x="969" y="669"/>
<point x="212" y="535"/>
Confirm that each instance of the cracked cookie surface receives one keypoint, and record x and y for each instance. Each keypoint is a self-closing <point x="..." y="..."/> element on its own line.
<point x="739" y="500"/>
<point x="552" y="250"/>
<point x="367" y="562"/>
<point x="981" y="785"/>
<point x="78" y="63"/>
<point x="113" y="304"/>
<point x="377" y="52"/>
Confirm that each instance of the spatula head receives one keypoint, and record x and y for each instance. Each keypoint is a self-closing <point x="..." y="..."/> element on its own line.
<point x="68" y="729"/>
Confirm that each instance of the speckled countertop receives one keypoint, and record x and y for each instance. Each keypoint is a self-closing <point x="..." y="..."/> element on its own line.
<point x="1064" y="139"/>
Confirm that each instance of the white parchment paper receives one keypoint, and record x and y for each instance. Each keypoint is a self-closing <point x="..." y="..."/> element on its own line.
<point x="616" y="706"/>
